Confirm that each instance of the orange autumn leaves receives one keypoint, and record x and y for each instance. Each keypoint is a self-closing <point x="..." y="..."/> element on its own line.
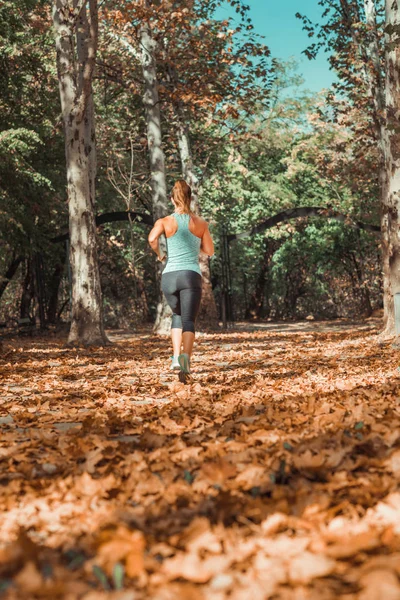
<point x="120" y="545"/>
<point x="274" y="475"/>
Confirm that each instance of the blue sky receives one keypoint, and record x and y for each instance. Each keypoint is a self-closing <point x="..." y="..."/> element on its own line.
<point x="276" y="20"/>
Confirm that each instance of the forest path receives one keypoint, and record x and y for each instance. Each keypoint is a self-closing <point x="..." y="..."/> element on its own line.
<point x="275" y="471"/>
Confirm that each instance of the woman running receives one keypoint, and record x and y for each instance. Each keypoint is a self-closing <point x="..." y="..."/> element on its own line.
<point x="181" y="281"/>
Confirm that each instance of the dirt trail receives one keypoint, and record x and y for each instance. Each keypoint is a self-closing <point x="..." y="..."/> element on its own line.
<point x="273" y="476"/>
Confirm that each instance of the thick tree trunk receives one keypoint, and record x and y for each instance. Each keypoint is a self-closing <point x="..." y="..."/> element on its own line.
<point x="9" y="274"/>
<point x="391" y="184"/>
<point x="73" y="24"/>
<point x="153" y="122"/>
<point x="377" y="90"/>
<point x="157" y="164"/>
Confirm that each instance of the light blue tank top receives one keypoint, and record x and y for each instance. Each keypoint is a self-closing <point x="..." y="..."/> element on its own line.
<point x="183" y="247"/>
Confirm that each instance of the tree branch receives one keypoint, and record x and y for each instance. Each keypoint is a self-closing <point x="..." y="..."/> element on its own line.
<point x="112" y="218"/>
<point x="303" y="211"/>
<point x="9" y="274"/>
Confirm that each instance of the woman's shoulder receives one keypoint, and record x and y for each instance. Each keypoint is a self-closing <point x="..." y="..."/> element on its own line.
<point x="170" y="225"/>
<point x="199" y="220"/>
<point x="200" y="224"/>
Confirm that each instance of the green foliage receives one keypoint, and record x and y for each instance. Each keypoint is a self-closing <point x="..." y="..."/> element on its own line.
<point x="257" y="150"/>
<point x="29" y="174"/>
<point x="314" y="266"/>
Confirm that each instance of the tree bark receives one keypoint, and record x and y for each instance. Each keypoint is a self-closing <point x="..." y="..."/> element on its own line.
<point x="376" y="85"/>
<point x="156" y="155"/>
<point x="186" y="156"/>
<point x="366" y="306"/>
<point x="76" y="31"/>
<point x="390" y="206"/>
<point x="383" y="92"/>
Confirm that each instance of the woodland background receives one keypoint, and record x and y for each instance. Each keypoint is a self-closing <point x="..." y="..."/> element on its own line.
<point x="256" y="151"/>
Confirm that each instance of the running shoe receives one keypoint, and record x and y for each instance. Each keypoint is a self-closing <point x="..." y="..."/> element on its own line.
<point x="184" y="363"/>
<point x="175" y="366"/>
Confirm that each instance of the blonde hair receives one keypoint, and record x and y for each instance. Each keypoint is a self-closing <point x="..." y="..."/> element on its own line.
<point x="182" y="195"/>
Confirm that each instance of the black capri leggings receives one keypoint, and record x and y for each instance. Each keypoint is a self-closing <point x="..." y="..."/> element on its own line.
<point x="182" y="290"/>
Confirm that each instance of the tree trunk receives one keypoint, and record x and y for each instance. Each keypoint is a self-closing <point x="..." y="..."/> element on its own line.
<point x="362" y="287"/>
<point x="28" y="290"/>
<point x="75" y="25"/>
<point x="185" y="153"/>
<point x="40" y="291"/>
<point x="391" y="184"/>
<point x="157" y="164"/>
<point x="256" y="304"/>
<point x="54" y="287"/>
<point x="377" y="92"/>
<point x="255" y="308"/>
<point x="9" y="274"/>
<point x="383" y="94"/>
<point x="208" y="313"/>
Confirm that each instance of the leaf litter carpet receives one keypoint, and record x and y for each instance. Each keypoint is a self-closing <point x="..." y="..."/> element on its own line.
<point x="273" y="475"/>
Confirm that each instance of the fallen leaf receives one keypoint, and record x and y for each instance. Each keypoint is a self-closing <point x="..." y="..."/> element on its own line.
<point x="307" y="566"/>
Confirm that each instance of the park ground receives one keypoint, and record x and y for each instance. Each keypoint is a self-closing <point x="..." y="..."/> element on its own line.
<point x="273" y="475"/>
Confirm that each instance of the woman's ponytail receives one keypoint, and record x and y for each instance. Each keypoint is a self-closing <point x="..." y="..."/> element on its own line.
<point x="182" y="195"/>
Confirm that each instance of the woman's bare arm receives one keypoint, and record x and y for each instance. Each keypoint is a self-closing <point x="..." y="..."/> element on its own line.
<point x="154" y="235"/>
<point x="207" y="245"/>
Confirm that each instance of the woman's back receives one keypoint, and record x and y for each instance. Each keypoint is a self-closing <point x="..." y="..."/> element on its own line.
<point x="183" y="246"/>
